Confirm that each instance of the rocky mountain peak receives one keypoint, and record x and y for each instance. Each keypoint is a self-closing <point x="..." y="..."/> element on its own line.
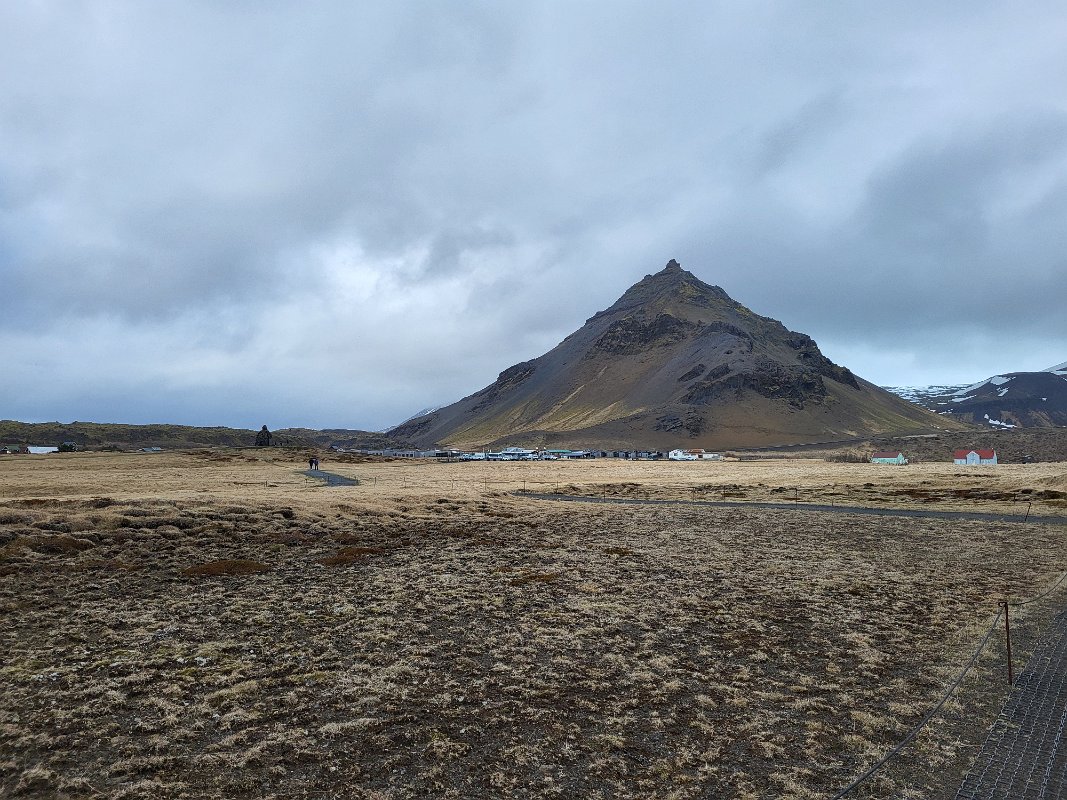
<point x="673" y="360"/>
<point x="670" y="290"/>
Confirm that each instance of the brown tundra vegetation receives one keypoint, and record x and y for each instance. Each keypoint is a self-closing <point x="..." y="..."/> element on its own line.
<point x="214" y="624"/>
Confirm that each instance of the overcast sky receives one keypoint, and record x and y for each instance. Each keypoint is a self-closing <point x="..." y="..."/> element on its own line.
<point x="335" y="214"/>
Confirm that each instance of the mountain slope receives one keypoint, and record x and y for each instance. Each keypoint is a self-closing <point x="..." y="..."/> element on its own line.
<point x="674" y="361"/>
<point x="1011" y="400"/>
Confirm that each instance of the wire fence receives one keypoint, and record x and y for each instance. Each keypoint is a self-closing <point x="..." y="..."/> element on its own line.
<point x="813" y="497"/>
<point x="1001" y="614"/>
<point x="1021" y="506"/>
<point x="874" y="768"/>
<point x="1017" y="506"/>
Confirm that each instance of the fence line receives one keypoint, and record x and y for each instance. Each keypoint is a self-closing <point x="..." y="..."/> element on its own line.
<point x="815" y="497"/>
<point x="1044" y="594"/>
<point x="955" y="684"/>
<point x="724" y="489"/>
<point x="926" y="719"/>
<point x="1002" y="608"/>
<point x="830" y="495"/>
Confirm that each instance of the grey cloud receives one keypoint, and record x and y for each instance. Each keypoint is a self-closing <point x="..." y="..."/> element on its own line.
<point x="450" y="245"/>
<point x="787" y="140"/>
<point x="247" y="166"/>
<point x="938" y="196"/>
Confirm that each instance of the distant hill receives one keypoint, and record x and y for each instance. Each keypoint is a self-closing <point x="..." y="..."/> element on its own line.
<point x="342" y="437"/>
<point x="674" y="362"/>
<point x="1011" y="400"/>
<point x="1013" y="446"/>
<point x="96" y="436"/>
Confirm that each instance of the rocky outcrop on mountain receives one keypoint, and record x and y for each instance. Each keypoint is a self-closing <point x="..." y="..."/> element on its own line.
<point x="506" y="380"/>
<point x="631" y="335"/>
<point x="672" y="362"/>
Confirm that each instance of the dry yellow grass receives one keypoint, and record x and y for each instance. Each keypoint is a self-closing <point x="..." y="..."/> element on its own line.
<point x="275" y="476"/>
<point x="427" y="634"/>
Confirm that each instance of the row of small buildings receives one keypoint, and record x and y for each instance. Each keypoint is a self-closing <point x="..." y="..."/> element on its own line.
<point x="549" y="454"/>
<point x="962" y="457"/>
<point x="37" y="450"/>
<point x="976" y="458"/>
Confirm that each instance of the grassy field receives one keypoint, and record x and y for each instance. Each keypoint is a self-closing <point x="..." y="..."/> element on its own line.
<point x="216" y="625"/>
<point x="274" y="475"/>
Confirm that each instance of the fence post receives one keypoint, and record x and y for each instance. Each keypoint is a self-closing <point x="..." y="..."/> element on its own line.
<point x="1007" y="639"/>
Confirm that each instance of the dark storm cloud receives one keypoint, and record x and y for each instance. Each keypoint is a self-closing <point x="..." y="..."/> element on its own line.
<point x="159" y="160"/>
<point x="965" y="229"/>
<point x="223" y="211"/>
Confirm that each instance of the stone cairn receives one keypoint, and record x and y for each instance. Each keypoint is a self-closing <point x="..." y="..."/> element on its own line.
<point x="263" y="437"/>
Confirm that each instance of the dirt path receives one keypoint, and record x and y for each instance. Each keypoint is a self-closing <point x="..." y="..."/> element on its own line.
<point x="879" y="512"/>
<point x="331" y="478"/>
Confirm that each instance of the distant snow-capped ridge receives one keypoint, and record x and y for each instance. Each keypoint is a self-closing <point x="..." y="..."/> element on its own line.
<point x="920" y="394"/>
<point x="1014" y="399"/>
<point x="423" y="413"/>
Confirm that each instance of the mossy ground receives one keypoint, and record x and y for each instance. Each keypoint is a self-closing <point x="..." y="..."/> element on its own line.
<point x="292" y="641"/>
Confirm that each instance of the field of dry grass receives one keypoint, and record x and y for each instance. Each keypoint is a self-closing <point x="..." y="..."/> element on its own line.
<point x="214" y="625"/>
<point x="275" y="475"/>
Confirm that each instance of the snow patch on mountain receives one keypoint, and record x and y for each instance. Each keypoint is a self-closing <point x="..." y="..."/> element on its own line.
<point x="997" y="422"/>
<point x="423" y="413"/>
<point x="917" y="393"/>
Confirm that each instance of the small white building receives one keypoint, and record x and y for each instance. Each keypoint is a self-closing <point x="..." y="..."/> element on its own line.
<point x="888" y="457"/>
<point x="973" y="458"/>
<point x="693" y="455"/>
<point x="512" y="454"/>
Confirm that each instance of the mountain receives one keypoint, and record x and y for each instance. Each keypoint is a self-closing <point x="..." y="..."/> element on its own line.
<point x="422" y="413"/>
<point x="674" y="362"/>
<point x="1011" y="400"/>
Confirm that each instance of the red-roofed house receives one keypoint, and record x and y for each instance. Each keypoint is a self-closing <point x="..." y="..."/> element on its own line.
<point x="888" y="457"/>
<point x="974" y="457"/>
